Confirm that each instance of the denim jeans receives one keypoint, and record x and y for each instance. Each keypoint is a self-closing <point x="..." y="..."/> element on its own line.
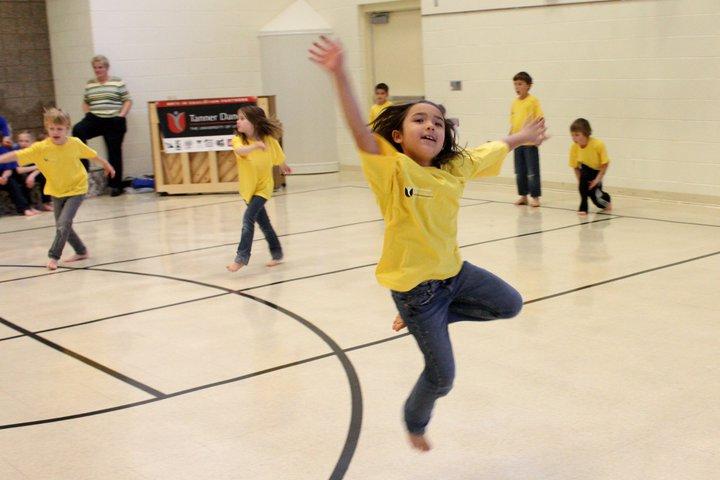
<point x="473" y="294"/>
<point x="527" y="170"/>
<point x="65" y="209"/>
<point x="256" y="213"/>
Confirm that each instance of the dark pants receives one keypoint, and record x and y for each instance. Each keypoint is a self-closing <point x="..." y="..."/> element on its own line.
<point x="19" y="193"/>
<point x="600" y="198"/>
<point x="473" y="294"/>
<point x="113" y="131"/>
<point x="65" y="210"/>
<point x="256" y="213"/>
<point x="527" y="170"/>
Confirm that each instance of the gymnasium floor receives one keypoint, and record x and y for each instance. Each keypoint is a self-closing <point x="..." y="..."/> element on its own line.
<point x="150" y="361"/>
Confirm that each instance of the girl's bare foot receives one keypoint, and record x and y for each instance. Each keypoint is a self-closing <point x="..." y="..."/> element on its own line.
<point x="234" y="267"/>
<point x="77" y="257"/>
<point x="398" y="323"/>
<point x="273" y="263"/>
<point x="582" y="213"/>
<point x="52" y="264"/>
<point x="521" y="201"/>
<point x="419" y="442"/>
<point x="534" y="202"/>
<point x="30" y="212"/>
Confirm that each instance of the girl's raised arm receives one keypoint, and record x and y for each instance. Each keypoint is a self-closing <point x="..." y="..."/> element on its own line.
<point x="330" y="56"/>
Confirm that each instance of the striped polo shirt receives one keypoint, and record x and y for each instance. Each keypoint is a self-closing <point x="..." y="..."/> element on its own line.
<point x="106" y="99"/>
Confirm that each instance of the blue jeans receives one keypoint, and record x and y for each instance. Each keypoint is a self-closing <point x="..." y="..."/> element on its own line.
<point x="473" y="294"/>
<point x="527" y="170"/>
<point x="256" y="213"/>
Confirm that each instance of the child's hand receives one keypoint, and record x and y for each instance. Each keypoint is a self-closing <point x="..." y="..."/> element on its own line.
<point x="109" y="170"/>
<point x="3" y="181"/>
<point x="594" y="183"/>
<point x="285" y="169"/>
<point x="328" y="54"/>
<point x="535" y="131"/>
<point x="260" y="145"/>
<point x="30" y="181"/>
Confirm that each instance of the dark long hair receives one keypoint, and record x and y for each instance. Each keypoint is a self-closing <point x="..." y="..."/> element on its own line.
<point x="392" y="119"/>
<point x="261" y="123"/>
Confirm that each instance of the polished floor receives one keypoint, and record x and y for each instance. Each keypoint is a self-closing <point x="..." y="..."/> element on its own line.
<point x="150" y="361"/>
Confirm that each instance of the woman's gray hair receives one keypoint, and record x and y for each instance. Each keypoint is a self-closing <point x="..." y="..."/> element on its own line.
<point x="100" y="58"/>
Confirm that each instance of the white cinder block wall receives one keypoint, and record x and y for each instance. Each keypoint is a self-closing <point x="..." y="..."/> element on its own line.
<point x="646" y="73"/>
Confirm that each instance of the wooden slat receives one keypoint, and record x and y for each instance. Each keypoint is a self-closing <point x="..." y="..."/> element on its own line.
<point x="185" y="162"/>
<point x="212" y="157"/>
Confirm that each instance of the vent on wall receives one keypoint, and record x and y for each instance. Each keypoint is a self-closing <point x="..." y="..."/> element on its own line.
<point x="379" y="18"/>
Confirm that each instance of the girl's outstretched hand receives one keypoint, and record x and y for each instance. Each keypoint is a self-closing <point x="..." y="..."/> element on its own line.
<point x="328" y="54"/>
<point x="535" y="131"/>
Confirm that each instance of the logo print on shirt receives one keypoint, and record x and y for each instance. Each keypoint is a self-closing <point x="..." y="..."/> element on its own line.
<point x="409" y="191"/>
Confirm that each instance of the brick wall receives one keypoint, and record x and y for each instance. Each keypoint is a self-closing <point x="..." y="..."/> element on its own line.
<point x="26" y="80"/>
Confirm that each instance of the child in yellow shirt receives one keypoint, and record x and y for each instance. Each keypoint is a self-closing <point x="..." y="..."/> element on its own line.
<point x="418" y="173"/>
<point x="58" y="159"/>
<point x="589" y="160"/>
<point x="381" y="101"/>
<point x="527" y="157"/>
<point x="256" y="151"/>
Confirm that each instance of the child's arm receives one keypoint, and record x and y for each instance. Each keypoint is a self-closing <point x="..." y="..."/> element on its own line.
<point x="534" y="131"/>
<point x="109" y="170"/>
<point x="243" y="151"/>
<point x="28" y="169"/>
<point x="8" y="157"/>
<point x="599" y="177"/>
<point x="329" y="55"/>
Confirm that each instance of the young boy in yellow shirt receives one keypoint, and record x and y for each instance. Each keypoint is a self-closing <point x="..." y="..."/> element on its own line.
<point x="589" y="160"/>
<point x="58" y="159"/>
<point x="381" y="101"/>
<point x="527" y="158"/>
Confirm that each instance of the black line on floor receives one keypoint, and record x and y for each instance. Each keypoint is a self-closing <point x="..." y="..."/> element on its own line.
<point x="85" y="360"/>
<point x="234" y="200"/>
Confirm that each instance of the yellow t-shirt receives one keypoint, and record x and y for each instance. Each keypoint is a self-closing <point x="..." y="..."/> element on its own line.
<point x="420" y="207"/>
<point x="60" y="164"/>
<point x="376" y="110"/>
<point x="521" y="110"/>
<point x="255" y="168"/>
<point x="593" y="155"/>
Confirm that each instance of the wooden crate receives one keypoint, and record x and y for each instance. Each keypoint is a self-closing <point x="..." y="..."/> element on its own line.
<point x="195" y="172"/>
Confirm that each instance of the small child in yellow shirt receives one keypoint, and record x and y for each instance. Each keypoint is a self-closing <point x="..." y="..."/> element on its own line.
<point x="527" y="157"/>
<point x="589" y="160"/>
<point x="381" y="101"/>
<point x="58" y="159"/>
<point x="31" y="176"/>
<point x="257" y="150"/>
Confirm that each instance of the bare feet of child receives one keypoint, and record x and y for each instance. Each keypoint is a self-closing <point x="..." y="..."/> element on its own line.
<point x="419" y="442"/>
<point x="534" y="202"/>
<point x="398" y="323"/>
<point x="31" y="212"/>
<point x="234" y="267"/>
<point x="273" y="263"/>
<point x="582" y="213"/>
<point x="52" y="264"/>
<point x="521" y="201"/>
<point x="77" y="257"/>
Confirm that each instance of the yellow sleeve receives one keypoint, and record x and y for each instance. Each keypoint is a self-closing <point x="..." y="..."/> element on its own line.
<point x="602" y="153"/>
<point x="538" y="109"/>
<point x="573" y="160"/>
<point x="85" y="151"/>
<point x="278" y="156"/>
<point x="483" y="161"/>
<point x="237" y="143"/>
<point x="380" y="168"/>
<point x="29" y="155"/>
<point x="372" y="114"/>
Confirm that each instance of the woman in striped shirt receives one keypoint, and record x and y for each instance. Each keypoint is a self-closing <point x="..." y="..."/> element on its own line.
<point x="106" y="103"/>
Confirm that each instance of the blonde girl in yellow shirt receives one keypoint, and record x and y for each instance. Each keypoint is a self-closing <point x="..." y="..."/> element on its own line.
<point x="256" y="151"/>
<point x="418" y="172"/>
<point x="58" y="159"/>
